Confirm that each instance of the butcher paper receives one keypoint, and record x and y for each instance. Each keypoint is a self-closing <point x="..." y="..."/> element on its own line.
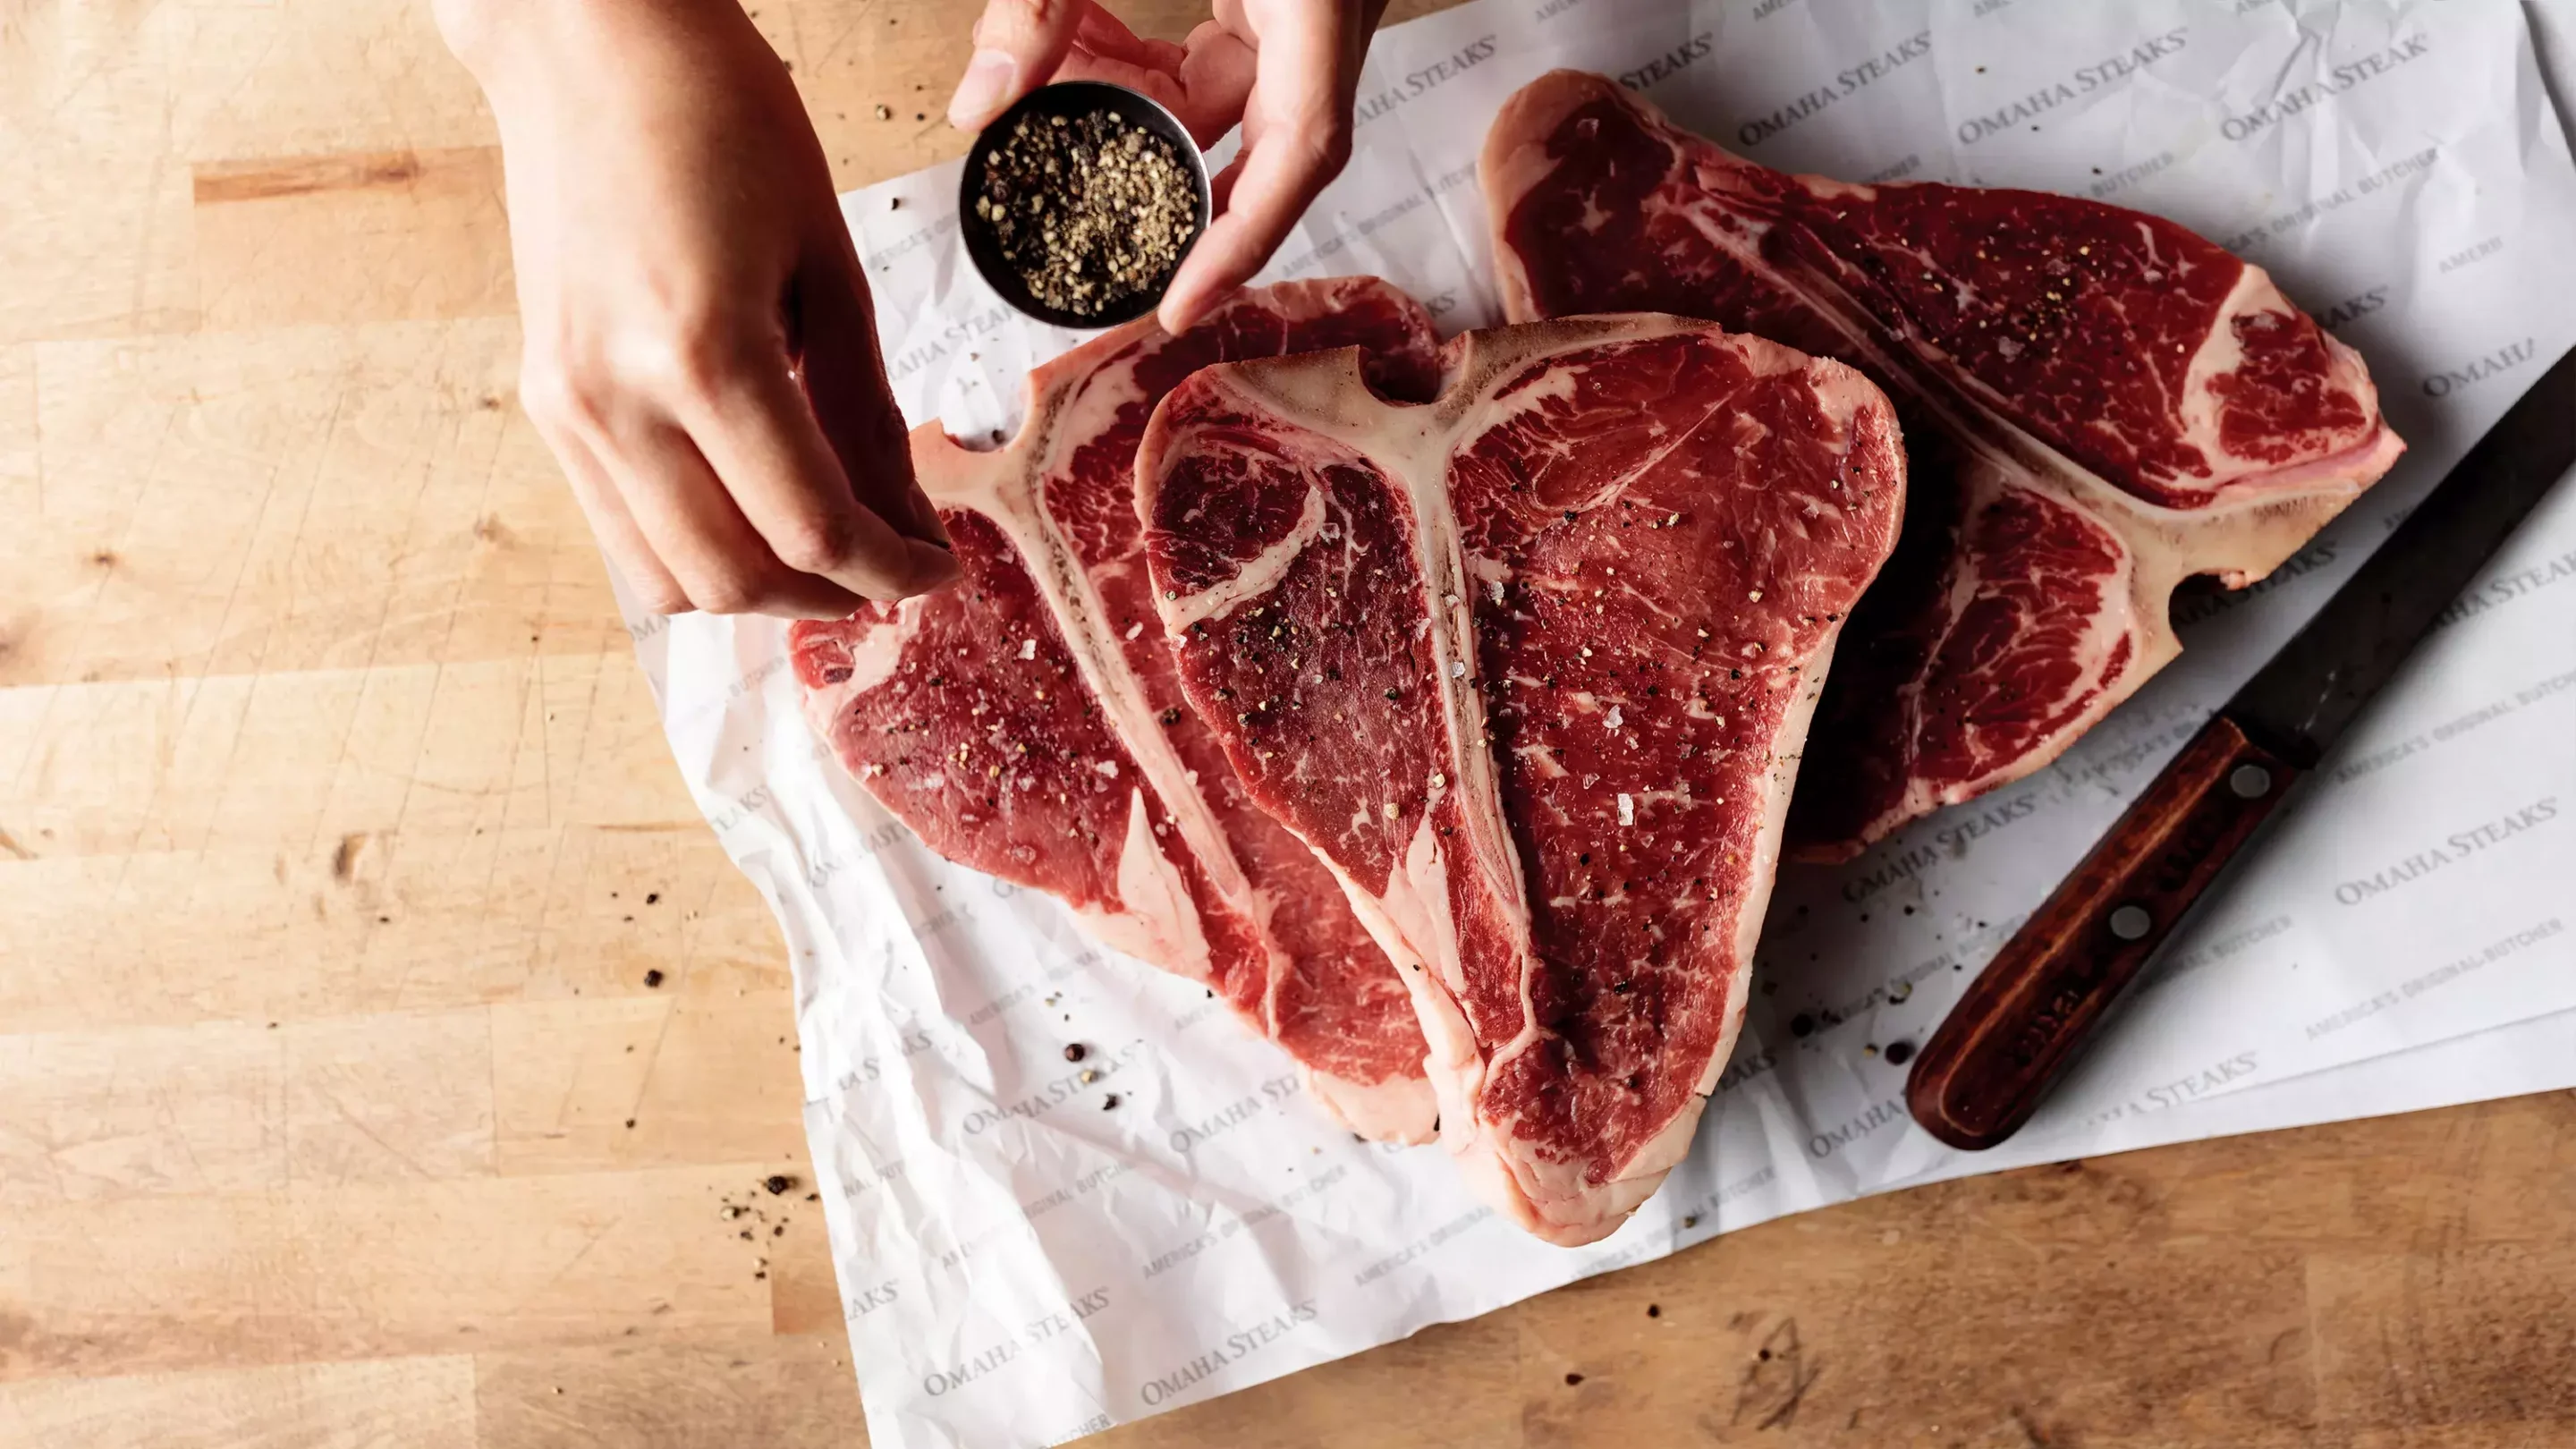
<point x="1021" y="1263"/>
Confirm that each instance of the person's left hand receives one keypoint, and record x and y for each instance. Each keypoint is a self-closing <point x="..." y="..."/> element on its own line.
<point x="1286" y="69"/>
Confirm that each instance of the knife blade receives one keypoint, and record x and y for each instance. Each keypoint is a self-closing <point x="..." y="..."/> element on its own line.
<point x="2025" y="1017"/>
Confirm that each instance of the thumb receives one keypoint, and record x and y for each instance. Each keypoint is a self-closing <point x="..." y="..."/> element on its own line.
<point x="1018" y="45"/>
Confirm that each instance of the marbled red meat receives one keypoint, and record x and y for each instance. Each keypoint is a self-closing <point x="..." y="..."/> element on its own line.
<point x="1530" y="666"/>
<point x="1028" y="721"/>
<point x="2098" y="405"/>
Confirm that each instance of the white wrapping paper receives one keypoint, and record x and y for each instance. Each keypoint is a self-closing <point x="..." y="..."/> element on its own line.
<point x="1023" y="1263"/>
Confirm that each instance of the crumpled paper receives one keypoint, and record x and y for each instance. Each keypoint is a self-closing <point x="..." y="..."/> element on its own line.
<point x="1022" y="1262"/>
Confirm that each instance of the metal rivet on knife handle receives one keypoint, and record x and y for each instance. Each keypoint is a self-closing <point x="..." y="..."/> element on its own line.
<point x="2131" y="923"/>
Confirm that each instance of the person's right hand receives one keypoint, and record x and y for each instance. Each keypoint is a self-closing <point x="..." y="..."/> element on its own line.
<point x="700" y="349"/>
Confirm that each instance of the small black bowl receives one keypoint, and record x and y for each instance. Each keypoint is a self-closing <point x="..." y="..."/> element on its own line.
<point x="1070" y="99"/>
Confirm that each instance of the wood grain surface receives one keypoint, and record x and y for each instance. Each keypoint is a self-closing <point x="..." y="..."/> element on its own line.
<point x="337" y="838"/>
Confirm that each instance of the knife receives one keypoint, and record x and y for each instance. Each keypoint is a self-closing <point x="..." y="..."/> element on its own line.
<point x="2021" y="1021"/>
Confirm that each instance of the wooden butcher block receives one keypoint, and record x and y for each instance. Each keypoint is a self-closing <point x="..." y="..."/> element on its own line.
<point x="389" y="1056"/>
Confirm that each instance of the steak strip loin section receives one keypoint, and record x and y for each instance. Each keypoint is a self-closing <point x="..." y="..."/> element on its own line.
<point x="2098" y="405"/>
<point x="1028" y="722"/>
<point x="1530" y="666"/>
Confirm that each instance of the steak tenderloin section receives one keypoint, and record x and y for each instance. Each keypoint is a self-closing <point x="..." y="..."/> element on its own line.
<point x="1028" y="722"/>
<point x="2098" y="404"/>
<point x="1530" y="666"/>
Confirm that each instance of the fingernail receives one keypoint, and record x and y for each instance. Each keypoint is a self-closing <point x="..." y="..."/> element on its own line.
<point x="1179" y="313"/>
<point x="985" y="89"/>
<point x="927" y="514"/>
<point x="932" y="566"/>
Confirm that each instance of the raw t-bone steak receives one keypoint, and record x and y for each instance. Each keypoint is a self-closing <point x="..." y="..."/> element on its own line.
<point x="1028" y="722"/>
<point x="1530" y="666"/>
<point x="2098" y="404"/>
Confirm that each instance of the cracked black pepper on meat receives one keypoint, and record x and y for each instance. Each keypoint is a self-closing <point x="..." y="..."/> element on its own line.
<point x="1089" y="211"/>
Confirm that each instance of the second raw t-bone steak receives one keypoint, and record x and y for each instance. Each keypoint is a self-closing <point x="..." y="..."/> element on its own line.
<point x="2098" y="405"/>
<point x="1027" y="721"/>
<point x="1530" y="666"/>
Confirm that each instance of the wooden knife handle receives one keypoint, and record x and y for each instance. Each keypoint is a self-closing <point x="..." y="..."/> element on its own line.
<point x="1983" y="1072"/>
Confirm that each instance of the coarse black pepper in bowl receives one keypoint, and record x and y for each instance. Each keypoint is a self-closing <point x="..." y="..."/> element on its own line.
<point x="1080" y="201"/>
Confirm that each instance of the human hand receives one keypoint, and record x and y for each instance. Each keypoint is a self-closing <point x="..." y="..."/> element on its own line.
<point x="1286" y="69"/>
<point x="700" y="348"/>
